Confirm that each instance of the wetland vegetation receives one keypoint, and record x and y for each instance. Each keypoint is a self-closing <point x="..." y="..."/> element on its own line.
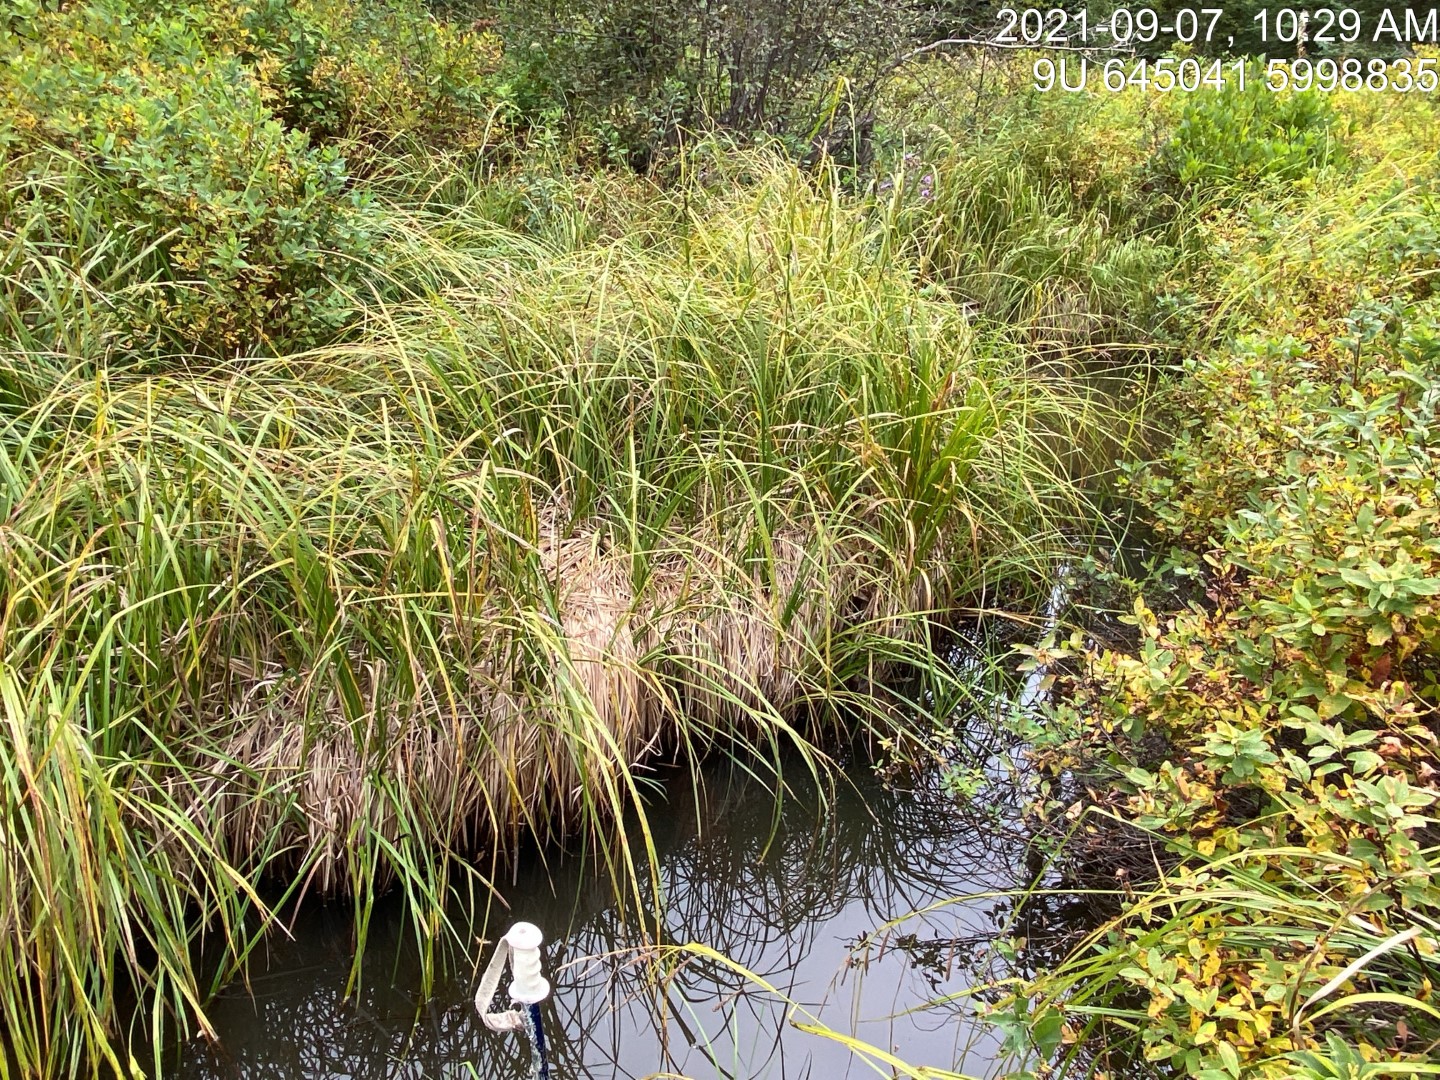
<point x="418" y="421"/>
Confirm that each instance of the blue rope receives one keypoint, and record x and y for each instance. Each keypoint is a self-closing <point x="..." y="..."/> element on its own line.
<point x="539" y="1062"/>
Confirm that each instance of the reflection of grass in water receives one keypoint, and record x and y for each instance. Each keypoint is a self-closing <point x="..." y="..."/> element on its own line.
<point x="802" y="1019"/>
<point x="765" y="895"/>
<point x="1034" y="1035"/>
<point x="887" y="846"/>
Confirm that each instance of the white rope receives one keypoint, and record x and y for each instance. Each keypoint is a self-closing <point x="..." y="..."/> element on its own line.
<point x="499" y="1020"/>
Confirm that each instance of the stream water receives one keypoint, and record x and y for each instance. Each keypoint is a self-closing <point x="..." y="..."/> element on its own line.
<point x="790" y="892"/>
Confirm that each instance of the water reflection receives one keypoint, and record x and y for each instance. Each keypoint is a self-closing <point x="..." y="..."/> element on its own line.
<point x="787" y="894"/>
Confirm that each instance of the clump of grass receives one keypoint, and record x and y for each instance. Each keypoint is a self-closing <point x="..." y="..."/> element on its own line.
<point x="1039" y="214"/>
<point x="562" y="500"/>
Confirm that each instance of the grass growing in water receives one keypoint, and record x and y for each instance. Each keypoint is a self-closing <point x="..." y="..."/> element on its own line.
<point x="558" y="500"/>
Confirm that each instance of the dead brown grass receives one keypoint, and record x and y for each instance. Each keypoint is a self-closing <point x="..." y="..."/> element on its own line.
<point x="710" y="645"/>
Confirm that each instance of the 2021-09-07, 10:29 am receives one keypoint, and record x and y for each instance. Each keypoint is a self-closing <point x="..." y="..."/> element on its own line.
<point x="1130" y="27"/>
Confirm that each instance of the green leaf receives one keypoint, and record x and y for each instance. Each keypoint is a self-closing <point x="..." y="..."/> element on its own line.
<point x="1047" y="1029"/>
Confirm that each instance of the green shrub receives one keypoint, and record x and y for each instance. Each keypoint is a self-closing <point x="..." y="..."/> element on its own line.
<point x="376" y="75"/>
<point x="1237" y="137"/>
<point x="635" y="76"/>
<point x="156" y="167"/>
<point x="1275" y="735"/>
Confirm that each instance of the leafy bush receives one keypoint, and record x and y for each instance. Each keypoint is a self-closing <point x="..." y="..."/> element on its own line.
<point x="380" y="75"/>
<point x="160" y="169"/>
<point x="1278" y="738"/>
<point x="641" y="74"/>
<point x="1235" y="137"/>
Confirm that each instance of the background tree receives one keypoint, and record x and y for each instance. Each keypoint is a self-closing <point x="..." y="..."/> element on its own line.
<point x="646" y="71"/>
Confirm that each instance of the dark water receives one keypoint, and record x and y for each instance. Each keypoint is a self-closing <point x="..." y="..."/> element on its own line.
<point x="790" y="893"/>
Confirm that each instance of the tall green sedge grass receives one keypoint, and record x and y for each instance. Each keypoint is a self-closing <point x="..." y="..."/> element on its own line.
<point x="664" y="471"/>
